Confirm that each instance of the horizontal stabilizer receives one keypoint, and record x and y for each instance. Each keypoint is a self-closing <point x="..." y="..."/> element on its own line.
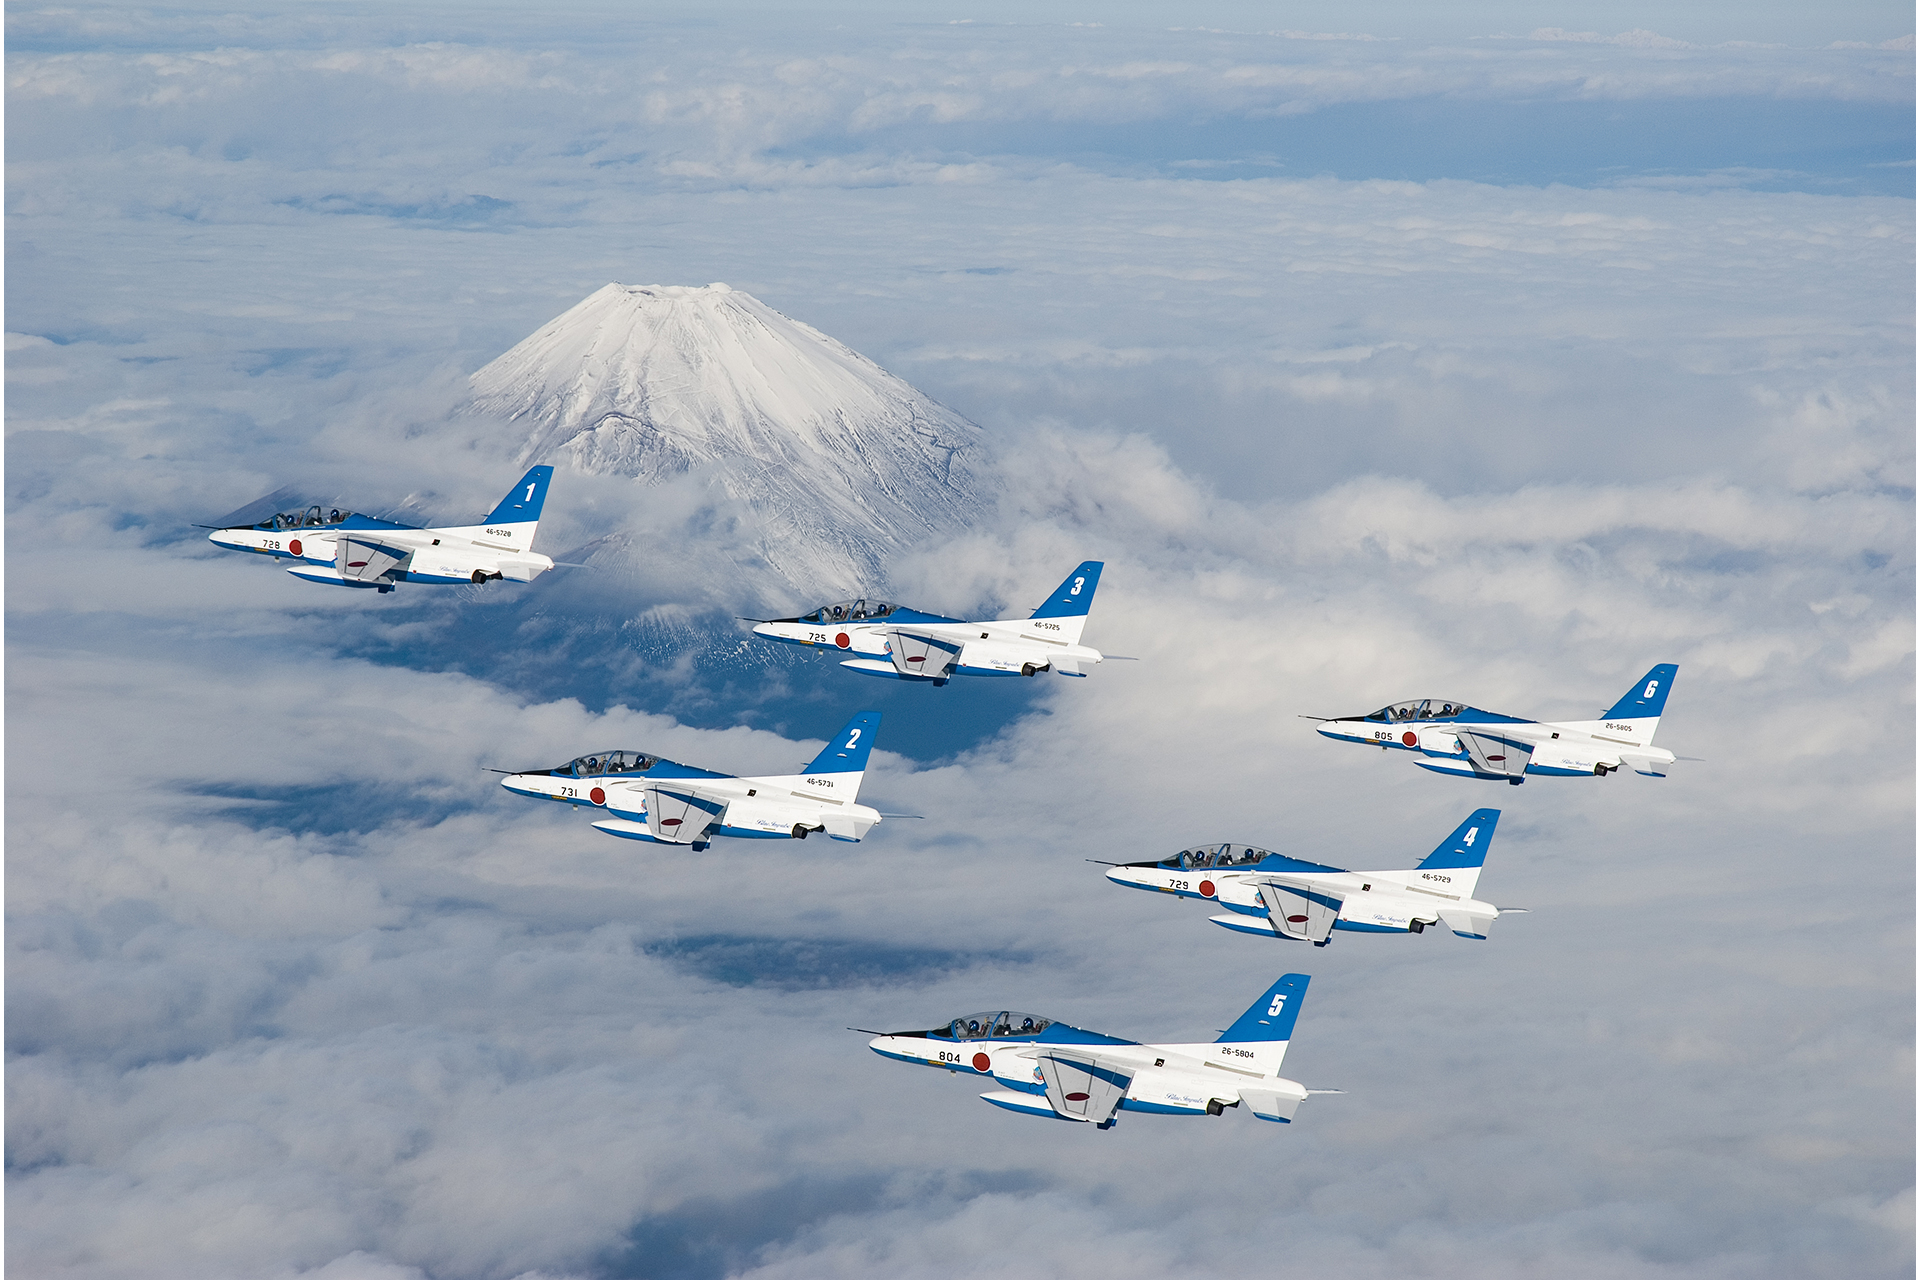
<point x="1465" y="923"/>
<point x="1277" y="1104"/>
<point x="1651" y="766"/>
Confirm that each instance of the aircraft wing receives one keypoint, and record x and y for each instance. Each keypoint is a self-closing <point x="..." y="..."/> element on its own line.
<point x="1501" y="755"/>
<point x="1084" y="1086"/>
<point x="916" y="653"/>
<point x="1300" y="909"/>
<point x="364" y="560"/>
<point x="678" y="814"/>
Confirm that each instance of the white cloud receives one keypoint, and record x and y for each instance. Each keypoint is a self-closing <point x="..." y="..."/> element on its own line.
<point x="295" y="989"/>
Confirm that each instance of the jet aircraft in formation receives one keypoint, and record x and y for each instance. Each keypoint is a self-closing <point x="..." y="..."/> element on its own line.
<point x="1464" y="742"/>
<point x="1060" y="1072"/>
<point x="345" y="549"/>
<point x="1275" y="896"/>
<point x="899" y="643"/>
<point x="668" y="803"/>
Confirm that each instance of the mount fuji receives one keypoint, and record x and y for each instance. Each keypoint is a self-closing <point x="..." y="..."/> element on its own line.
<point x="830" y="465"/>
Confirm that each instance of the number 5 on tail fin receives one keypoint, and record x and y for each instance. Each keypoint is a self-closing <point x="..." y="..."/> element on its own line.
<point x="1272" y="1016"/>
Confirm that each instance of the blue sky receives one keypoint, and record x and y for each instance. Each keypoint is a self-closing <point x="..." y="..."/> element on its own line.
<point x="1495" y="357"/>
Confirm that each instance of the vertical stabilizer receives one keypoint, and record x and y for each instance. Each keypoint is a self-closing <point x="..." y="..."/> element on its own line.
<point x="1638" y="711"/>
<point x="844" y="759"/>
<point x="1257" y="1041"/>
<point x="516" y="518"/>
<point x="1070" y="601"/>
<point x="1462" y="854"/>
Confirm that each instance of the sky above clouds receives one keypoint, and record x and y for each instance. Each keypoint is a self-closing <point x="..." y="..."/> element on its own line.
<point x="1495" y="355"/>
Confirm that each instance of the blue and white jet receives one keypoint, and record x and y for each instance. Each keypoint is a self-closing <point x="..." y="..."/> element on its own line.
<point x="345" y="549"/>
<point x="668" y="803"/>
<point x="1272" y="895"/>
<point x="1059" y="1072"/>
<point x="899" y="643"/>
<point x="1464" y="742"/>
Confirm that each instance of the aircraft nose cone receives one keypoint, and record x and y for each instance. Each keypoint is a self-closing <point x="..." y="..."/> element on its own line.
<point x="1124" y="875"/>
<point x="765" y="629"/>
<point x="1332" y="729"/>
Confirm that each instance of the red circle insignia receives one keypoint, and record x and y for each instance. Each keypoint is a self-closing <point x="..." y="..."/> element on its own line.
<point x="1410" y="737"/>
<point x="294" y="546"/>
<point x="1206" y="888"/>
<point x="981" y="1062"/>
<point x="842" y="641"/>
<point x="597" y="796"/>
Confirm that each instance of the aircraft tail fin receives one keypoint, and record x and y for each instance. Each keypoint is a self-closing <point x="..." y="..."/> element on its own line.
<point x="846" y="753"/>
<point x="1272" y="1016"/>
<point x="1072" y="599"/>
<point x="517" y="516"/>
<point x="1640" y="707"/>
<point x="1462" y="854"/>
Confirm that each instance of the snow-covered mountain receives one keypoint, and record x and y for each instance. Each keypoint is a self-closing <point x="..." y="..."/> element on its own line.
<point x="832" y="463"/>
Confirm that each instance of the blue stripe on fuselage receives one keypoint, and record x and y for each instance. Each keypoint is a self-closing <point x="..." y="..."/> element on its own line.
<point x="1159" y="1108"/>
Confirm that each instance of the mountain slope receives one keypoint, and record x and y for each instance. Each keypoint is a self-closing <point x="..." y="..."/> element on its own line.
<point x="837" y="463"/>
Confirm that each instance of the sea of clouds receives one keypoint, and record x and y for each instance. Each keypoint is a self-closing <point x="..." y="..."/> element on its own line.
<point x="295" y="990"/>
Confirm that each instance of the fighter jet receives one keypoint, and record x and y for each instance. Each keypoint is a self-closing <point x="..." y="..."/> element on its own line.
<point x="1063" y="1073"/>
<point x="904" y="644"/>
<point x="1456" y="739"/>
<point x="1275" y="896"/>
<point x="667" y="803"/>
<point x="344" y="549"/>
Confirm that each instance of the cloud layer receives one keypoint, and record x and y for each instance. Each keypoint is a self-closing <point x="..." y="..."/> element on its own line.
<point x="296" y="990"/>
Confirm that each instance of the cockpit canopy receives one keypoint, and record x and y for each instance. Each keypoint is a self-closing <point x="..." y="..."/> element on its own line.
<point x="1419" y="709"/>
<point x="1002" y="1024"/>
<point x="1214" y="855"/>
<point x="849" y="611"/>
<point x="598" y="763"/>
<point x="312" y="518"/>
